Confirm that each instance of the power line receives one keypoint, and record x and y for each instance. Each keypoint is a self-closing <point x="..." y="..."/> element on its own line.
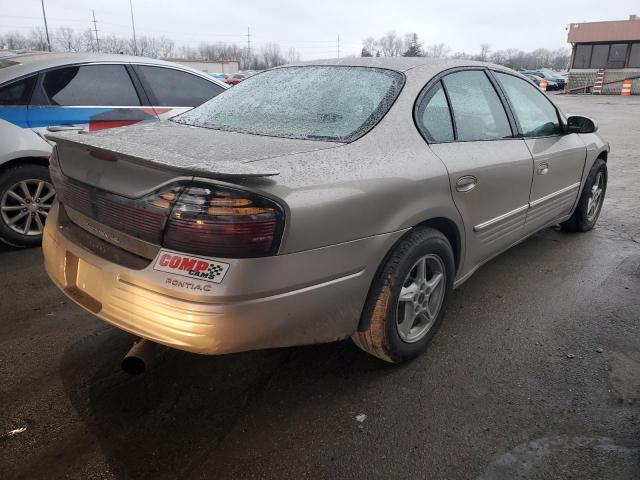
<point x="95" y="28"/>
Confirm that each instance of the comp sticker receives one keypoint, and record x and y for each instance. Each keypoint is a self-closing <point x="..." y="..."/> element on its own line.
<point x="200" y="268"/>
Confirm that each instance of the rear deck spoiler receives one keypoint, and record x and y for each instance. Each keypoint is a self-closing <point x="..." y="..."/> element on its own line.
<point x="153" y="156"/>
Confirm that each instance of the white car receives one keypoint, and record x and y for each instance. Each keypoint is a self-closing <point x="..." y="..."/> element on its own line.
<point x="47" y="92"/>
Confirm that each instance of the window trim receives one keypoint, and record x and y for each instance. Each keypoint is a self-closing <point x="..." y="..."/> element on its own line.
<point x="515" y="129"/>
<point x="40" y="94"/>
<point x="559" y="115"/>
<point x="421" y="106"/>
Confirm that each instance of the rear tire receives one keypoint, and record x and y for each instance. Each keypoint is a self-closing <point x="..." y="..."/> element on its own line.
<point x="591" y="199"/>
<point x="23" y="213"/>
<point x="391" y="334"/>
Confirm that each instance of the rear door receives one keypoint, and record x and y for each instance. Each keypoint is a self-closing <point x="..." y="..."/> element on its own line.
<point x="92" y="97"/>
<point x="172" y="91"/>
<point x="558" y="157"/>
<point x="468" y="128"/>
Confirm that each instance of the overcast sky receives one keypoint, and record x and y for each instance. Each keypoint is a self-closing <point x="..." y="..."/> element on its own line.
<point x="312" y="27"/>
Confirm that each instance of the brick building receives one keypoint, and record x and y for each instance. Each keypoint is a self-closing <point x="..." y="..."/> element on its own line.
<point x="610" y="48"/>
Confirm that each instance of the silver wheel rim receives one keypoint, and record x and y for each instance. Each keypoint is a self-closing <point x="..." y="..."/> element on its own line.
<point x="595" y="199"/>
<point x="24" y="206"/>
<point x="420" y="298"/>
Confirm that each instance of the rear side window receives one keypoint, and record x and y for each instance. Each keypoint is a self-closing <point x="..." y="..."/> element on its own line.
<point x="90" y="85"/>
<point x="477" y="110"/>
<point x="17" y="93"/>
<point x="173" y="88"/>
<point x="536" y="114"/>
<point x="434" y="117"/>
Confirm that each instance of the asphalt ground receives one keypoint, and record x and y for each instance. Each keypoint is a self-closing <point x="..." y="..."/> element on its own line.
<point x="535" y="374"/>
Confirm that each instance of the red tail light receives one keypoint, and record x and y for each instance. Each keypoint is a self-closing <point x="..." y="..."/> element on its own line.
<point x="199" y="218"/>
<point x="220" y="221"/>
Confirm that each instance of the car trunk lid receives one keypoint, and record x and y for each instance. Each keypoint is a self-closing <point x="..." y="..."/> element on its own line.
<point x="131" y="161"/>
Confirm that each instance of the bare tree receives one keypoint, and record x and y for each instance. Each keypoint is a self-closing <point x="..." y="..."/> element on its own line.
<point x="293" y="55"/>
<point x="370" y="45"/>
<point x="271" y="55"/>
<point x="38" y="39"/>
<point x="66" y="40"/>
<point x="113" y="44"/>
<point x="14" y="41"/>
<point x="437" y="50"/>
<point x="484" y="52"/>
<point x="390" y="44"/>
<point x="166" y="47"/>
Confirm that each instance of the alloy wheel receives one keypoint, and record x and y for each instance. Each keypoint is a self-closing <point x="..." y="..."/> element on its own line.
<point x="25" y="205"/>
<point x="421" y="298"/>
<point x="595" y="198"/>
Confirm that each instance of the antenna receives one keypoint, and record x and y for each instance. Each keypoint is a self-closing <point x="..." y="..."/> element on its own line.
<point x="95" y="29"/>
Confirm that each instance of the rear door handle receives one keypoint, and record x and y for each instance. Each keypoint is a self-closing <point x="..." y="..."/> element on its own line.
<point x="466" y="183"/>
<point x="64" y="128"/>
<point x="543" y="168"/>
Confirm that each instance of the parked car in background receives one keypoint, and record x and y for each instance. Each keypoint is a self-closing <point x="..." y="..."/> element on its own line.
<point x="235" y="78"/>
<point x="551" y="85"/>
<point x="549" y="76"/>
<point x="219" y="76"/>
<point x="349" y="203"/>
<point x="47" y="92"/>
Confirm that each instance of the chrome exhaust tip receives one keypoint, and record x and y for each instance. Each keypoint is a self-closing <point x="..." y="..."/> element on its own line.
<point x="136" y="360"/>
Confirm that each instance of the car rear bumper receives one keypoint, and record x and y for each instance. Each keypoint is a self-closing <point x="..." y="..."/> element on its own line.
<point x="301" y="298"/>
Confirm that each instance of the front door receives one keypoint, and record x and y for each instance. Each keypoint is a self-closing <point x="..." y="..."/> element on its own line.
<point x="558" y="157"/>
<point x="490" y="171"/>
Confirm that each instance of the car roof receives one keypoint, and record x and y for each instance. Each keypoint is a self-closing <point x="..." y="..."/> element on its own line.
<point x="420" y="67"/>
<point x="28" y="63"/>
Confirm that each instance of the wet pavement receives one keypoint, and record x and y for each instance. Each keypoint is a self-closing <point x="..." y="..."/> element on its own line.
<point x="535" y="374"/>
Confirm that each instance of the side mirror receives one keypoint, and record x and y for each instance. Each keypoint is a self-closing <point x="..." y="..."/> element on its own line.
<point x="578" y="124"/>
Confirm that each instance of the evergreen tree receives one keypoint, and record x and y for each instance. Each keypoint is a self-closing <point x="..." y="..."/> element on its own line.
<point x="413" y="46"/>
<point x="365" y="52"/>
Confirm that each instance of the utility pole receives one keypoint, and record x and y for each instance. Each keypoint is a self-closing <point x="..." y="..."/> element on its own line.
<point x="95" y="28"/>
<point x="338" y="46"/>
<point x="133" y="26"/>
<point x="46" y="28"/>
<point x="248" y="49"/>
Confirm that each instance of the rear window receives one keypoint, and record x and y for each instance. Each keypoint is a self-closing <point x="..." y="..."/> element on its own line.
<point x="329" y="103"/>
<point x="175" y="88"/>
<point x="104" y="85"/>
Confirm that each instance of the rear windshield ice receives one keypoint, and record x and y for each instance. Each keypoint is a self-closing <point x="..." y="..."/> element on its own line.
<point x="329" y="103"/>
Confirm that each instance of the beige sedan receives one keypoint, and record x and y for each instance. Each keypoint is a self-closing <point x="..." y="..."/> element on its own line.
<point x="316" y="202"/>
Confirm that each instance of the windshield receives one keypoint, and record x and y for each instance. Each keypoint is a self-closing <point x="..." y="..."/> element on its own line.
<point x="311" y="102"/>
